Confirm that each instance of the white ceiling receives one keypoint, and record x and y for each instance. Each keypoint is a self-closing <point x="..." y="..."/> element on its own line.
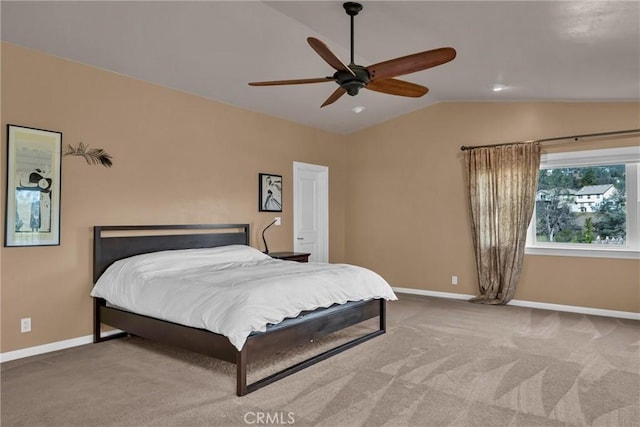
<point x="541" y="50"/>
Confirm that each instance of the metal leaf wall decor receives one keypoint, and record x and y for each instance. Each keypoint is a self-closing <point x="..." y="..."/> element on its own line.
<point x="93" y="156"/>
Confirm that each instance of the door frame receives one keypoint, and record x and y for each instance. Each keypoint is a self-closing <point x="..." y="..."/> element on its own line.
<point x="322" y="205"/>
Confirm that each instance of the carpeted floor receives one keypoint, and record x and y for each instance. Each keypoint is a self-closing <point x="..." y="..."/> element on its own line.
<point x="442" y="363"/>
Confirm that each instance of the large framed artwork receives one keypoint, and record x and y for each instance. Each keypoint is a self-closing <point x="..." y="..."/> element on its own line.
<point x="270" y="187"/>
<point x="32" y="216"/>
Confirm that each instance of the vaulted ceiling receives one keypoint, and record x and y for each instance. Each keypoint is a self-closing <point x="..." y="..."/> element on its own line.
<point x="538" y="50"/>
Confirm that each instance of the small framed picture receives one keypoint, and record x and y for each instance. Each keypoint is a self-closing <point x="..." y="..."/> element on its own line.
<point x="270" y="188"/>
<point x="32" y="215"/>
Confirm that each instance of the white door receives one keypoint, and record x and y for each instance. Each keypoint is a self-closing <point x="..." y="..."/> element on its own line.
<point x="311" y="210"/>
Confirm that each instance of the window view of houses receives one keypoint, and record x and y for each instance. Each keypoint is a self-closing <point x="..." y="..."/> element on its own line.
<point x="582" y="205"/>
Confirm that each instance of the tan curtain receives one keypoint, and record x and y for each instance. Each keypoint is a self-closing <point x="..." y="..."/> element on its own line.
<point x="502" y="183"/>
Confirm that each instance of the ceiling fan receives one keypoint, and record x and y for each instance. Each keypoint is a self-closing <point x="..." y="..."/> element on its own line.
<point x="377" y="77"/>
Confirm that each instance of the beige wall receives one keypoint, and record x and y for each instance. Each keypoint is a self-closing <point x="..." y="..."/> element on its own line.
<point x="407" y="215"/>
<point x="397" y="202"/>
<point x="177" y="159"/>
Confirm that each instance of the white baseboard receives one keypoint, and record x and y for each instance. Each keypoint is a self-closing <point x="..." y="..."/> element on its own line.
<point x="436" y="294"/>
<point x="88" y="339"/>
<point x="529" y="304"/>
<point x="54" y="346"/>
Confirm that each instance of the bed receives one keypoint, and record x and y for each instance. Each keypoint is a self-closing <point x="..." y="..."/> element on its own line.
<point x="115" y="243"/>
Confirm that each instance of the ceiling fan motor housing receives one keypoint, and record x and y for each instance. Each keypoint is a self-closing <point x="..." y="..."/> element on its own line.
<point x="350" y="83"/>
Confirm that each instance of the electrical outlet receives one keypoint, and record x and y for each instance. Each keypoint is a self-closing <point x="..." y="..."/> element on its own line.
<point x="278" y="221"/>
<point x="454" y="280"/>
<point x="25" y="325"/>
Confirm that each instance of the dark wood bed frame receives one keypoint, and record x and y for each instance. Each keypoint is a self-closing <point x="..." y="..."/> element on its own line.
<point x="112" y="243"/>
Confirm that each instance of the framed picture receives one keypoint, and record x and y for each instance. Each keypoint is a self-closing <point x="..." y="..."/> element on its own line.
<point x="270" y="199"/>
<point x="32" y="216"/>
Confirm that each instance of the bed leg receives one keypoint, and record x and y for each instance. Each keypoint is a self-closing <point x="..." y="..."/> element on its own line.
<point x="96" y="321"/>
<point x="241" y="372"/>
<point x="383" y="315"/>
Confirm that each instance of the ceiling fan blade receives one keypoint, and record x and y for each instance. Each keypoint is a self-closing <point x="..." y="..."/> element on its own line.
<point x="334" y="97"/>
<point x="397" y="87"/>
<point x="292" y="82"/>
<point x="324" y="52"/>
<point x="411" y="63"/>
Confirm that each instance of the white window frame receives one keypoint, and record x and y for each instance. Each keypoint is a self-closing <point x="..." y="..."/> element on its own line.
<point x="630" y="156"/>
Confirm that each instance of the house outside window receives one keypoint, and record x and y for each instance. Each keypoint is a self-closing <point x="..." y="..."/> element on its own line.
<point x="599" y="193"/>
<point x="587" y="204"/>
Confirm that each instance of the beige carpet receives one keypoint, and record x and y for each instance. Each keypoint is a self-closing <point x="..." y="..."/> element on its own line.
<point x="442" y="363"/>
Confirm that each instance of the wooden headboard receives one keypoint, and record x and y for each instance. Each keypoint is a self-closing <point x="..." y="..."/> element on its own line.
<point x="114" y="242"/>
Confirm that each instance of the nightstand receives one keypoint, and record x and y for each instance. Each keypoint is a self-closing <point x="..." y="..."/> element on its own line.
<point x="291" y="256"/>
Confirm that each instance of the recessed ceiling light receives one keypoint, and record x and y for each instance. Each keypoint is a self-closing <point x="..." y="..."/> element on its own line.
<point x="498" y="87"/>
<point x="358" y="109"/>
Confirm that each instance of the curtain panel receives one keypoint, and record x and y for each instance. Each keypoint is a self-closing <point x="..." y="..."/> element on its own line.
<point x="502" y="183"/>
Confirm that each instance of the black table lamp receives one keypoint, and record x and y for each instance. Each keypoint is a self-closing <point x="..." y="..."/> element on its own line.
<point x="266" y="248"/>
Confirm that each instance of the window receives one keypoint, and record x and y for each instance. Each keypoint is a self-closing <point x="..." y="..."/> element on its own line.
<point x="587" y="204"/>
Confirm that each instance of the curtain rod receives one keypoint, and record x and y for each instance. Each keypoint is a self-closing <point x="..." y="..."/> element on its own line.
<point x="559" y="138"/>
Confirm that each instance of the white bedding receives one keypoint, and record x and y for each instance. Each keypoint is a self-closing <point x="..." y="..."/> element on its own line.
<point x="232" y="290"/>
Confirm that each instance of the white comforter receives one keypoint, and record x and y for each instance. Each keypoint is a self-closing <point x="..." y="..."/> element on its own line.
<point x="232" y="290"/>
